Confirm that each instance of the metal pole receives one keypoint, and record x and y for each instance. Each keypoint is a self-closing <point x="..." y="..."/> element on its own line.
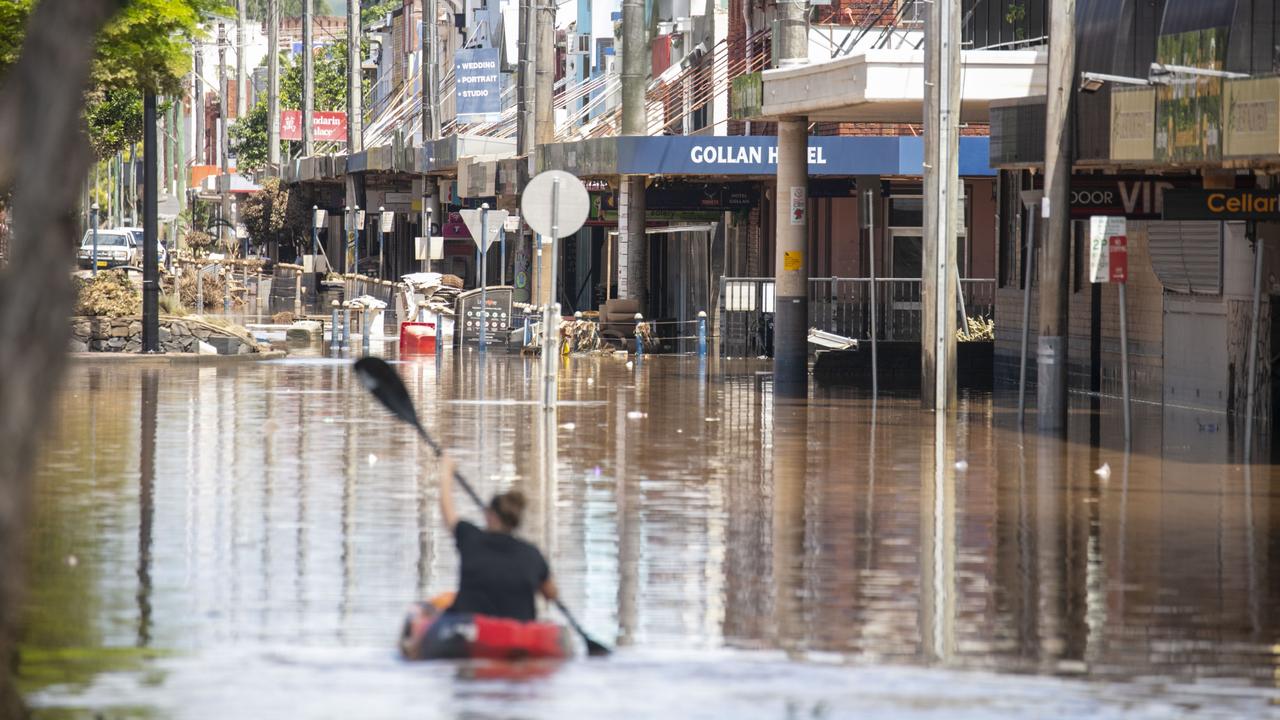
<point x="502" y="257"/>
<point x="702" y="333"/>
<point x="242" y="67"/>
<point x="150" y="228"/>
<point x="356" y="225"/>
<point x="333" y="328"/>
<point x="1252" y="382"/>
<point x="224" y="180"/>
<point x="1124" y="367"/>
<point x="308" y="79"/>
<point x="346" y="325"/>
<point x="273" y="86"/>
<point x="550" y="318"/>
<point x="315" y="233"/>
<point x="875" y="317"/>
<point x="382" y="255"/>
<point x="364" y="329"/>
<point x="93" y="222"/>
<point x="1030" y="264"/>
<point x="484" y="276"/>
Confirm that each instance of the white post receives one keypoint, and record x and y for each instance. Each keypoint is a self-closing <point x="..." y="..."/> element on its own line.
<point x="550" y="313"/>
<point x="1252" y="381"/>
<point x="484" y="275"/>
<point x="1124" y="367"/>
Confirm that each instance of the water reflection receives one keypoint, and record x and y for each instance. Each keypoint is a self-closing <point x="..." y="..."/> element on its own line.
<point x="274" y="510"/>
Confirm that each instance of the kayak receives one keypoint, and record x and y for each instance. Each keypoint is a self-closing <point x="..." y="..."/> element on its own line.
<point x="431" y="633"/>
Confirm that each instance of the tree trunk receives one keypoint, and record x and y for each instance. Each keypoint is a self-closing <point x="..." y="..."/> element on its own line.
<point x="40" y="121"/>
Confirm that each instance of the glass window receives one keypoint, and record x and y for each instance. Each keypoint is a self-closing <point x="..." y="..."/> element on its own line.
<point x="908" y="256"/>
<point x="906" y="212"/>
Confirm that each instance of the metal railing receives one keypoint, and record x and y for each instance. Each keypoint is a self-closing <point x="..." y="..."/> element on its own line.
<point x="837" y="305"/>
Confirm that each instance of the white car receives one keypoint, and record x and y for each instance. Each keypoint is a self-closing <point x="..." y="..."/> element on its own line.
<point x="116" y="247"/>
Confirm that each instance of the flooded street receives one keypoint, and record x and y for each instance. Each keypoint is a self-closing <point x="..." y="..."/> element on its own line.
<point x="243" y="541"/>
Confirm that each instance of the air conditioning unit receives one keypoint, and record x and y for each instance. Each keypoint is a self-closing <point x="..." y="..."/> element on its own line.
<point x="684" y="25"/>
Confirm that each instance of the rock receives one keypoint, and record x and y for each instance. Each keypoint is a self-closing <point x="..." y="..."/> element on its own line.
<point x="179" y="329"/>
<point x="243" y="349"/>
<point x="135" y="328"/>
<point x="165" y="334"/>
<point x="78" y="346"/>
<point x="189" y="343"/>
<point x="133" y="346"/>
<point x="115" y="344"/>
<point x="207" y="349"/>
<point x="119" y="332"/>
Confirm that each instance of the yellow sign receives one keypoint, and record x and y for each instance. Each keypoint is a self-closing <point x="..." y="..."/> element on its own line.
<point x="792" y="260"/>
<point x="1252" y="127"/>
<point x="1133" y="124"/>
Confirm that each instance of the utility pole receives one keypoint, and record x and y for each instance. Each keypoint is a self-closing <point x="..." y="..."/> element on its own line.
<point x="1051" y="354"/>
<point x="430" y="71"/>
<point x="633" y="244"/>
<point x="941" y="192"/>
<point x="150" y="228"/>
<point x="242" y="66"/>
<point x="544" y="128"/>
<point x="525" y="87"/>
<point x="354" y="129"/>
<point x="308" y="80"/>
<point x="197" y="105"/>
<point x="273" y="86"/>
<point x="791" y="267"/>
<point x="224" y="180"/>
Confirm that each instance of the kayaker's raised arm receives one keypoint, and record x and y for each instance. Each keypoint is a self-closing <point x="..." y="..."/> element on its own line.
<point x="549" y="590"/>
<point x="447" y="511"/>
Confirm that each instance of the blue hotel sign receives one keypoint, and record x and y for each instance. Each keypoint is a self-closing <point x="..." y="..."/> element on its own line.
<point x="737" y="155"/>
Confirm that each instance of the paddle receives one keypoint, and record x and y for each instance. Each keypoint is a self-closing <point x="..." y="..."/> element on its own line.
<point x="380" y="379"/>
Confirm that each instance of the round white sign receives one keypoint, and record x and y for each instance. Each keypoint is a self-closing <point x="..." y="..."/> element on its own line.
<point x="570" y="197"/>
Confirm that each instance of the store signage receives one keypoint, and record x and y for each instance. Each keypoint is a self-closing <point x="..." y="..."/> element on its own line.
<point x="1252" y="125"/>
<point x="325" y="126"/>
<point x="1189" y="112"/>
<point x="1101" y="229"/>
<point x="1136" y="197"/>
<point x="758" y="155"/>
<point x="478" y="84"/>
<point x="1222" y="205"/>
<point x="1133" y="124"/>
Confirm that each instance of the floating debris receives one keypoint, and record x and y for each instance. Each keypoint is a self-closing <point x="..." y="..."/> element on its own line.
<point x="962" y="465"/>
<point x="373" y="459"/>
<point x="568" y="426"/>
<point x="1104" y="472"/>
<point x="636" y="415"/>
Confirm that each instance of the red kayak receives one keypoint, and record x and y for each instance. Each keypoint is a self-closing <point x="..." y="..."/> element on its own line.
<point x="430" y="633"/>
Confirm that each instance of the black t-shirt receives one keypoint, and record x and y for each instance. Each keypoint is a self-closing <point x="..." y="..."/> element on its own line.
<point x="500" y="574"/>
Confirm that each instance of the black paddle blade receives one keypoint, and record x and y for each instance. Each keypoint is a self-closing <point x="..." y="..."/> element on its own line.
<point x="380" y="379"/>
<point x="595" y="649"/>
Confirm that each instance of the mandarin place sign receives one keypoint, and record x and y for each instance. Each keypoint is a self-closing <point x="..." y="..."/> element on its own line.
<point x="1221" y="205"/>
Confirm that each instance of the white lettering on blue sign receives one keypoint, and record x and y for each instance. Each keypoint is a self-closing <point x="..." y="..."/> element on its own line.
<point x="753" y="155"/>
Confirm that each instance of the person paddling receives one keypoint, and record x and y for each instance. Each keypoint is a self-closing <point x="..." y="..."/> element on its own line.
<point x="499" y="574"/>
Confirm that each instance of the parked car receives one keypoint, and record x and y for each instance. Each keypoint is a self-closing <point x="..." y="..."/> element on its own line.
<point x="115" y="248"/>
<point x="138" y="234"/>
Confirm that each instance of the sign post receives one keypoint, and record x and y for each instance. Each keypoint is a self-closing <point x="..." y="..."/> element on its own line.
<point x="1109" y="262"/>
<point x="1031" y="200"/>
<point x="484" y="225"/>
<point x="555" y="204"/>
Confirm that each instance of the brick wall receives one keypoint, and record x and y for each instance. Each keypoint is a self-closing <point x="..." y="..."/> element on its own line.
<point x="856" y="12"/>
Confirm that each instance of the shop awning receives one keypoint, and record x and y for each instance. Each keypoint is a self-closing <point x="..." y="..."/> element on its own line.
<point x="888" y="85"/>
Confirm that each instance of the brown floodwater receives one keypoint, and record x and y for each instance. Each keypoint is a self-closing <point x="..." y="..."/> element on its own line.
<point x="242" y="541"/>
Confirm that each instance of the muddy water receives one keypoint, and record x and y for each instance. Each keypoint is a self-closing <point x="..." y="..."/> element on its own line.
<point x="242" y="542"/>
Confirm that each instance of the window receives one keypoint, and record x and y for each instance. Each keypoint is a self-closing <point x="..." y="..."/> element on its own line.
<point x="911" y="12"/>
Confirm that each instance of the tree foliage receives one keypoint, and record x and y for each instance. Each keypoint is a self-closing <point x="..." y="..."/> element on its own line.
<point x="249" y="135"/>
<point x="274" y="213"/>
<point x="145" y="47"/>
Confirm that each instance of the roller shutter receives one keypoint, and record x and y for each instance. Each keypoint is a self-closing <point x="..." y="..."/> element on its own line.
<point x="1187" y="256"/>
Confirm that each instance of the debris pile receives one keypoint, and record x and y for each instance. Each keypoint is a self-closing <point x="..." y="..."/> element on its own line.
<point x="980" y="329"/>
<point x="214" y="287"/>
<point x="581" y="336"/>
<point x="111" y="293"/>
<point x="438" y="292"/>
<point x="368" y="301"/>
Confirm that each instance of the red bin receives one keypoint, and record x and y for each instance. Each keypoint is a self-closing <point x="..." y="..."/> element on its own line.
<point x="417" y="337"/>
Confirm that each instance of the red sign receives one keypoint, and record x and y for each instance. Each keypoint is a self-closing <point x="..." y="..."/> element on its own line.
<point x="329" y="126"/>
<point x="290" y="124"/>
<point x="326" y="126"/>
<point x="1118" y="258"/>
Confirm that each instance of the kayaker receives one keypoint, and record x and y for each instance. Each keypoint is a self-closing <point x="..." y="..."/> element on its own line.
<point x="499" y="573"/>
